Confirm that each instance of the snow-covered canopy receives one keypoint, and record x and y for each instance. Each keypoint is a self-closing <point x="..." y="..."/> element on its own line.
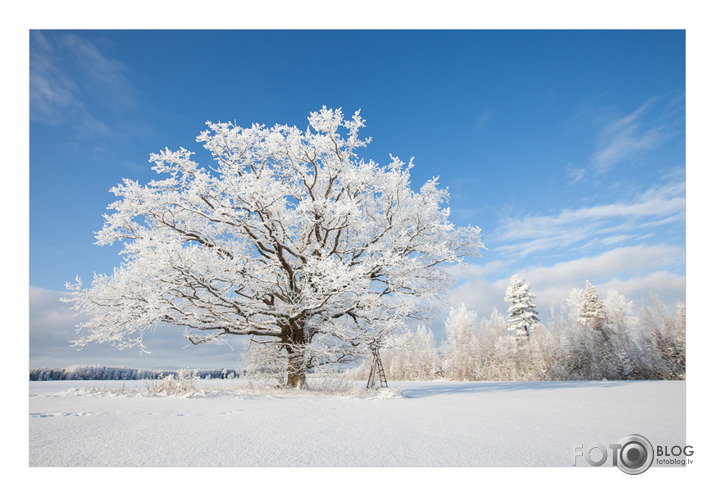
<point x="289" y="236"/>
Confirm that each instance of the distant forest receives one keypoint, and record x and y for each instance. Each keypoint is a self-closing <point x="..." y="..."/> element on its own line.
<point x="104" y="373"/>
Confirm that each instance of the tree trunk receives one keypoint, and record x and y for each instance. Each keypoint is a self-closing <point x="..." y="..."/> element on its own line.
<point x="295" y="343"/>
<point x="296" y="368"/>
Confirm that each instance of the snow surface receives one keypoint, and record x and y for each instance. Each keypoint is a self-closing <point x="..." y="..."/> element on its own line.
<point x="107" y="423"/>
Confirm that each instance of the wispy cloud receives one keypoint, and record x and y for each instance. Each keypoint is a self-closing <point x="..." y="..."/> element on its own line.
<point x="575" y="173"/>
<point x="72" y="82"/>
<point x="484" y="119"/>
<point x="606" y="224"/>
<point x="626" y="138"/>
<point x="52" y="91"/>
<point x="621" y="140"/>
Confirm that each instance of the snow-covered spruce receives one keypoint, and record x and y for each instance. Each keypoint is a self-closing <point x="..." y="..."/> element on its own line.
<point x="522" y="311"/>
<point x="290" y="238"/>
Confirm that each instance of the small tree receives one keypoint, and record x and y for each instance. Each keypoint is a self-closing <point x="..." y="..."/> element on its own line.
<point x="411" y="355"/>
<point x="667" y="337"/>
<point x="289" y="237"/>
<point x="625" y="353"/>
<point x="495" y="350"/>
<point x="598" y="343"/>
<point x="592" y="311"/>
<point x="522" y="311"/>
<point x="460" y="350"/>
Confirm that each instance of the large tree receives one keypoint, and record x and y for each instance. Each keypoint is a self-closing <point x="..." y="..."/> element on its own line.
<point x="289" y="237"/>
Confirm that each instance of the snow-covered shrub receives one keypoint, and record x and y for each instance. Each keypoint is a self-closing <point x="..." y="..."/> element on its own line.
<point x="184" y="384"/>
<point x="331" y="384"/>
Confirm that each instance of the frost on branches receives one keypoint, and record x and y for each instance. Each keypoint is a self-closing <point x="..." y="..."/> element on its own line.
<point x="522" y="311"/>
<point x="289" y="238"/>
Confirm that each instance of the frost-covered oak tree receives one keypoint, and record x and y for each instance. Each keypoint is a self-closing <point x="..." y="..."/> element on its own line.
<point x="289" y="237"/>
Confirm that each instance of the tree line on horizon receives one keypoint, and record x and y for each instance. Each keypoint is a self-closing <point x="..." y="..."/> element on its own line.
<point x="587" y="338"/>
<point x="110" y="373"/>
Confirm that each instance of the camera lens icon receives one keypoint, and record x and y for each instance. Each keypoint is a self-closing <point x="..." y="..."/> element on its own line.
<point x="636" y="454"/>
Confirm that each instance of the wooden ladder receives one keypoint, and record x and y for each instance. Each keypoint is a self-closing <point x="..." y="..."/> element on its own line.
<point x="376" y="370"/>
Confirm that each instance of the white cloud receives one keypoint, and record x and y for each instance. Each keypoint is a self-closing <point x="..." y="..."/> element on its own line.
<point x="52" y="328"/>
<point x="668" y="287"/>
<point x="602" y="224"/>
<point x="70" y="79"/>
<point x="634" y="271"/>
<point x="633" y="260"/>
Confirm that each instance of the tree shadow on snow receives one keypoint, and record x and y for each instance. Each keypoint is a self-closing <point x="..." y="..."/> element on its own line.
<point x="426" y="389"/>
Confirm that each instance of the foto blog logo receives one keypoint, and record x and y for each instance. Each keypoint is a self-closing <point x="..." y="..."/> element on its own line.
<point x="633" y="454"/>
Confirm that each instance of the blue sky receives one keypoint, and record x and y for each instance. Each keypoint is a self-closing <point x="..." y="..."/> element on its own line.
<point x="566" y="147"/>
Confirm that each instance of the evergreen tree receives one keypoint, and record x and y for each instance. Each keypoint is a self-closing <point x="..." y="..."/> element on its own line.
<point x="522" y="311"/>
<point x="593" y="312"/>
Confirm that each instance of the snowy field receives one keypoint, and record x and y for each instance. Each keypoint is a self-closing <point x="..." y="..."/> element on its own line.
<point x="105" y="423"/>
